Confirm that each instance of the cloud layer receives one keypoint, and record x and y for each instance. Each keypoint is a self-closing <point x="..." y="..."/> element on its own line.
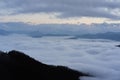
<point x="67" y="8"/>
<point x="97" y="57"/>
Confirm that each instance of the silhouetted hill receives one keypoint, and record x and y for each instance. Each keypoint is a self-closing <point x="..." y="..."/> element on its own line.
<point x="16" y="65"/>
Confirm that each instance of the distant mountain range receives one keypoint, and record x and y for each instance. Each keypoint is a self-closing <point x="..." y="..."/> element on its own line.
<point x="108" y="35"/>
<point x="3" y="32"/>
<point x="94" y="31"/>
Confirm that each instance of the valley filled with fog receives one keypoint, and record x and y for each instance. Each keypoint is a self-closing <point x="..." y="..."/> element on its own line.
<point x="81" y="34"/>
<point x="98" y="57"/>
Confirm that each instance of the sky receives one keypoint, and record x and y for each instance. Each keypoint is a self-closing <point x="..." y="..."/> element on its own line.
<point x="60" y="11"/>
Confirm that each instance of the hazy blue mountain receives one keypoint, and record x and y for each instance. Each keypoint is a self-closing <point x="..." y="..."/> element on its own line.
<point x="94" y="31"/>
<point x="3" y="32"/>
<point x="59" y="29"/>
<point x="107" y="35"/>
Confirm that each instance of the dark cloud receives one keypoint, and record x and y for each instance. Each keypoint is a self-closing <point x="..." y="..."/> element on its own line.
<point x="67" y="8"/>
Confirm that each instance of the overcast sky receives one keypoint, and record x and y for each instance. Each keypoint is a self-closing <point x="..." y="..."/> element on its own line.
<point x="60" y="11"/>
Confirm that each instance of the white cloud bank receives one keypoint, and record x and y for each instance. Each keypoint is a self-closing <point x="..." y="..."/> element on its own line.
<point x="97" y="57"/>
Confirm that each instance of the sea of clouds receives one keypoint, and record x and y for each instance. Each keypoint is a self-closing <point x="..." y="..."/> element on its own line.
<point x="97" y="57"/>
